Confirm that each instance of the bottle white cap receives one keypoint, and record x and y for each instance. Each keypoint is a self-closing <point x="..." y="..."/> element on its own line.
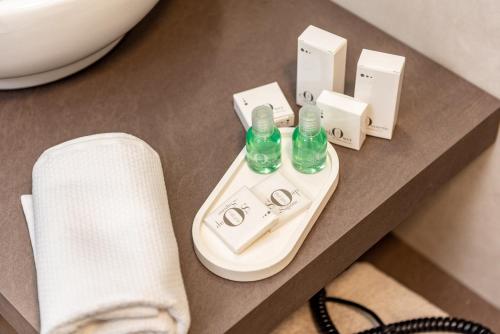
<point x="309" y="120"/>
<point x="262" y="120"/>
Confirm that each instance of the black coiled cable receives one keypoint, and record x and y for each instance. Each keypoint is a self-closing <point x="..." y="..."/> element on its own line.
<point x="421" y="325"/>
<point x="432" y="324"/>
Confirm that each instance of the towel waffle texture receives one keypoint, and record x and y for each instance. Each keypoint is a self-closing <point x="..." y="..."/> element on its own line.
<point x="105" y="252"/>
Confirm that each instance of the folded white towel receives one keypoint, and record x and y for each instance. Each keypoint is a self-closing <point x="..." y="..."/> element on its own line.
<point x="105" y="251"/>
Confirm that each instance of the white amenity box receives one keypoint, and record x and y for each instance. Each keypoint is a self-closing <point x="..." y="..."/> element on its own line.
<point x="344" y="119"/>
<point x="379" y="78"/>
<point x="280" y="195"/>
<point x="241" y="220"/>
<point x="321" y="59"/>
<point x="270" y="95"/>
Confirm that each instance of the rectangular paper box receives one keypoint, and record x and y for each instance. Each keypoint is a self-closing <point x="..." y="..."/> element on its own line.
<point x="241" y="220"/>
<point x="379" y="79"/>
<point x="270" y="95"/>
<point x="321" y="59"/>
<point x="344" y="119"/>
<point x="281" y="196"/>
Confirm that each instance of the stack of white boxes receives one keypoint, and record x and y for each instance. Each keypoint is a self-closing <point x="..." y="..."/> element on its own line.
<point x="321" y="58"/>
<point x="250" y="213"/>
<point x="321" y="64"/>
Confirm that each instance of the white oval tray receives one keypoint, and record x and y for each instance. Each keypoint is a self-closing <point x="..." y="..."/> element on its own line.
<point x="275" y="250"/>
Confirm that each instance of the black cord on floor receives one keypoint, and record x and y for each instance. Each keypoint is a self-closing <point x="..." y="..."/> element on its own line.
<point x="358" y="306"/>
<point x="421" y="325"/>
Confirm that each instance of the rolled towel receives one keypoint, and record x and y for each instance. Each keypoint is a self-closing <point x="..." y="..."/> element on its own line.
<point x="105" y="252"/>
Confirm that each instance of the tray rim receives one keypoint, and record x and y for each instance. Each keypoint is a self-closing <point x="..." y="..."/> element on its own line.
<point x="254" y="274"/>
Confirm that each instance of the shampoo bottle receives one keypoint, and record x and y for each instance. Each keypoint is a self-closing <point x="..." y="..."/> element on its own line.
<point x="309" y="141"/>
<point x="263" y="142"/>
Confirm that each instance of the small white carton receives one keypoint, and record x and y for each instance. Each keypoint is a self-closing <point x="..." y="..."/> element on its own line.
<point x="379" y="79"/>
<point x="321" y="59"/>
<point x="241" y="220"/>
<point x="270" y="95"/>
<point x="281" y="196"/>
<point x="344" y="119"/>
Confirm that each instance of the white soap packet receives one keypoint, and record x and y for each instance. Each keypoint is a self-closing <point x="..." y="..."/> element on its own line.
<point x="344" y="119"/>
<point x="282" y="197"/>
<point x="270" y="95"/>
<point x="241" y="220"/>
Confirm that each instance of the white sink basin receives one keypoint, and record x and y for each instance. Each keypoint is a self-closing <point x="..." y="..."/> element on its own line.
<point x="45" y="40"/>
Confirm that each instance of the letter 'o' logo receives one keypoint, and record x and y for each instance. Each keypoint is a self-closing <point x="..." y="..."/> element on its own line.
<point x="234" y="216"/>
<point x="337" y="133"/>
<point x="281" y="197"/>
<point x="370" y="121"/>
<point x="308" y="96"/>
<point x="260" y="158"/>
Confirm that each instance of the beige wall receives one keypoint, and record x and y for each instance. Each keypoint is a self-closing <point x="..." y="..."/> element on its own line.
<point x="458" y="227"/>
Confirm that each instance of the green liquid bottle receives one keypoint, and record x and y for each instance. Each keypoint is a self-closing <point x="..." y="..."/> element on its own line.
<point x="263" y="142"/>
<point x="309" y="141"/>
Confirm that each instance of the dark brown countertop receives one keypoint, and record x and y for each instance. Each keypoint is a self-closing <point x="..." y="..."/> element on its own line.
<point x="170" y="82"/>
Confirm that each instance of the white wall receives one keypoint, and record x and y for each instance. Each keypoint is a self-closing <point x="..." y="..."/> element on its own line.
<point x="459" y="230"/>
<point x="462" y="35"/>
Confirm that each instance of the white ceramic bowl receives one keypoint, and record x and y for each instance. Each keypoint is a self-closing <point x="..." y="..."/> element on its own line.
<point x="45" y="40"/>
